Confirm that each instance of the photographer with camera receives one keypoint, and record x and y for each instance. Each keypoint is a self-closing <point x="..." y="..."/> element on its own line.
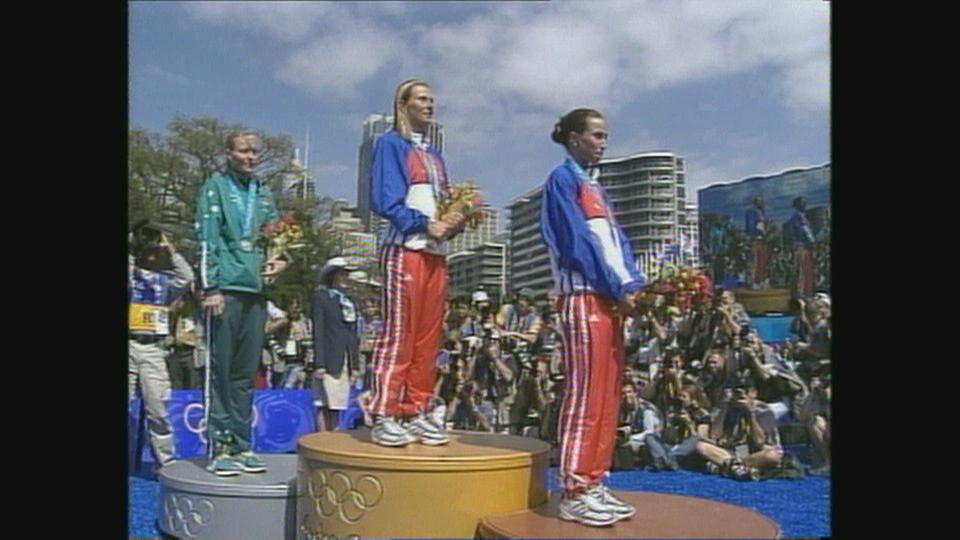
<point x="294" y="337"/>
<point x="496" y="372"/>
<point x="519" y="324"/>
<point x="157" y="276"/>
<point x="550" y="358"/>
<point x="778" y="385"/>
<point x="727" y="317"/>
<point x="466" y="410"/>
<point x="743" y="441"/>
<point x="812" y="324"/>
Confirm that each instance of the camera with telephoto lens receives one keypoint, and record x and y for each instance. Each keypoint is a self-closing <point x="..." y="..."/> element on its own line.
<point x="147" y="249"/>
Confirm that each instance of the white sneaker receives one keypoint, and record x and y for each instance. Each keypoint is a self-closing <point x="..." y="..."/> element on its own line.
<point x="427" y="431"/>
<point x="387" y="432"/>
<point x="587" y="509"/>
<point x="621" y="508"/>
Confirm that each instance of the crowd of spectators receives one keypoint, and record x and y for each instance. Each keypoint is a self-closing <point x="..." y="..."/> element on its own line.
<point x="701" y="391"/>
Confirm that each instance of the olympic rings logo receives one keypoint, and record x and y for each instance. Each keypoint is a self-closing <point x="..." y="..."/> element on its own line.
<point x="200" y="429"/>
<point x="339" y="495"/>
<point x="186" y="517"/>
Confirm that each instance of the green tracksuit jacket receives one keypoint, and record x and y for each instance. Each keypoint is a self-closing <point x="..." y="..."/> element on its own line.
<point x="221" y="221"/>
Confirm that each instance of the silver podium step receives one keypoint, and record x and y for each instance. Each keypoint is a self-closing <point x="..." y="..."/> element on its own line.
<point x="252" y="506"/>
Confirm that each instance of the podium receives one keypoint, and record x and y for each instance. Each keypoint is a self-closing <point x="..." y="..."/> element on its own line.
<point x="479" y="485"/>
<point x="197" y="504"/>
<point x="659" y="515"/>
<point x="347" y="485"/>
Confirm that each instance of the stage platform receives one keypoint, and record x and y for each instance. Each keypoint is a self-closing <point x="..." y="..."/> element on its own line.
<point x="658" y="515"/>
<point x="348" y="485"/>
<point x="197" y="504"/>
<point x="758" y="302"/>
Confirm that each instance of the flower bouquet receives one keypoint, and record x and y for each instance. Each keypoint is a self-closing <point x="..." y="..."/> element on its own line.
<point x="280" y="235"/>
<point x="463" y="198"/>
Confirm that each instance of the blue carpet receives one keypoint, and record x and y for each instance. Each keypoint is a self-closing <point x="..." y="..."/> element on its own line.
<point x="800" y="507"/>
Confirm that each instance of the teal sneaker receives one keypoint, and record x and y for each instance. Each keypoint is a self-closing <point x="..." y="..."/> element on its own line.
<point x="250" y="462"/>
<point x="224" y="465"/>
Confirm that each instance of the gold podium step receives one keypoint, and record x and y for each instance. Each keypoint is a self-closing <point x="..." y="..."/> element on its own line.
<point x="348" y="485"/>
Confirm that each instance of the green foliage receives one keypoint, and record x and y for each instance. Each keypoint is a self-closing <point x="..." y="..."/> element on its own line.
<point x="167" y="170"/>
<point x="302" y="276"/>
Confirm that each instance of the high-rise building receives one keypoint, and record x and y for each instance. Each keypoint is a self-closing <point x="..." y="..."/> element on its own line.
<point x="298" y="182"/>
<point x="648" y="191"/>
<point x="483" y="266"/>
<point x="485" y="232"/>
<point x="373" y="127"/>
<point x="529" y="260"/>
<point x="359" y="247"/>
<point x="689" y="237"/>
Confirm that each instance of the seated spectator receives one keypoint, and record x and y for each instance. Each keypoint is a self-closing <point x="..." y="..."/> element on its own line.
<point x="640" y="432"/>
<point x="777" y="384"/>
<point x="691" y="417"/>
<point x="743" y="442"/>
<point x="816" y="416"/>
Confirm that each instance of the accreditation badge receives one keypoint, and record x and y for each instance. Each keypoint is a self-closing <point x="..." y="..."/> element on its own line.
<point x="150" y="318"/>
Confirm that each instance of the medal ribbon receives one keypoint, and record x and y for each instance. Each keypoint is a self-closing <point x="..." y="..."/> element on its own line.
<point x="245" y="216"/>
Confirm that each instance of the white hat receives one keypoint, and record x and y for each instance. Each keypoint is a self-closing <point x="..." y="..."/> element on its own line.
<point x="336" y="263"/>
<point x="823" y="297"/>
<point x="361" y="277"/>
<point x="480" y="296"/>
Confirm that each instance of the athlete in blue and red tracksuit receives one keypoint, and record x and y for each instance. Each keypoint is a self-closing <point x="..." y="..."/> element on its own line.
<point x="595" y="275"/>
<point x="407" y="178"/>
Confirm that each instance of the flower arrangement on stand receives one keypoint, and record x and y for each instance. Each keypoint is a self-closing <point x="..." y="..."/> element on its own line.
<point x="682" y="288"/>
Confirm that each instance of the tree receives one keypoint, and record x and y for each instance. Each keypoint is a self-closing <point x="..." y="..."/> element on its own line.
<point x="166" y="172"/>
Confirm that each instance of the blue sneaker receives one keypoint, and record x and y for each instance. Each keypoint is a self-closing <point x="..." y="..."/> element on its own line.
<point x="250" y="462"/>
<point x="224" y="465"/>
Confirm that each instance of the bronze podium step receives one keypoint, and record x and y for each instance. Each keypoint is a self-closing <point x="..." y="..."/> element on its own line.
<point x="658" y="515"/>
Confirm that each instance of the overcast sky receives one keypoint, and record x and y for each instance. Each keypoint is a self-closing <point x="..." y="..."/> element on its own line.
<point x="737" y="87"/>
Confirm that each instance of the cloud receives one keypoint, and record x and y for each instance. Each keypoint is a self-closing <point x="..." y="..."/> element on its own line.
<point x="554" y="55"/>
<point x="504" y="70"/>
<point x="341" y="59"/>
<point x="152" y="74"/>
<point x="287" y="22"/>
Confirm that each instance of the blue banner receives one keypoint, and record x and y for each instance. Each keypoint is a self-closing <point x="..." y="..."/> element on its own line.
<point x="280" y="417"/>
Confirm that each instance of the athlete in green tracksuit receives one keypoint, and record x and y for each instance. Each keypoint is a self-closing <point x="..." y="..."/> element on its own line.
<point x="230" y="211"/>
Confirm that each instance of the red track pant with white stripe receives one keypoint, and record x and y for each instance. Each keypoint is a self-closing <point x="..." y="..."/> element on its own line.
<point x="593" y="367"/>
<point x="405" y="352"/>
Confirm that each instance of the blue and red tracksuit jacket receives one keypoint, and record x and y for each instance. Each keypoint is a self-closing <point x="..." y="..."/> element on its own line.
<point x="588" y="250"/>
<point x="406" y="181"/>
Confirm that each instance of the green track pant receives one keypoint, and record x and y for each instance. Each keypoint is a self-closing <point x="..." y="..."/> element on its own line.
<point x="236" y="341"/>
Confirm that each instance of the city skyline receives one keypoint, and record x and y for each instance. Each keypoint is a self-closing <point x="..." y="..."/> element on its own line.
<point x="739" y="89"/>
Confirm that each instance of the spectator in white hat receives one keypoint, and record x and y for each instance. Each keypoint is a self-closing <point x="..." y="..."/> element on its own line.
<point x="335" y="342"/>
